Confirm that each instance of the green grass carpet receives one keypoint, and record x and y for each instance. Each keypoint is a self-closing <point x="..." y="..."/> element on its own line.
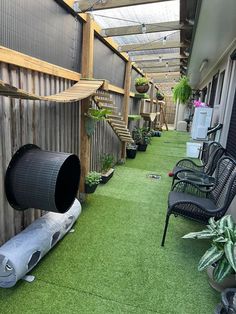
<point x="113" y="262"/>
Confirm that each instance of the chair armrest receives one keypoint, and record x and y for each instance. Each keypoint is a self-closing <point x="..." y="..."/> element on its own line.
<point x="188" y="163"/>
<point x="189" y="188"/>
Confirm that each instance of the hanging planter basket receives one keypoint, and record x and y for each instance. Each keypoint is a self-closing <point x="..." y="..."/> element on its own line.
<point x="142" y="88"/>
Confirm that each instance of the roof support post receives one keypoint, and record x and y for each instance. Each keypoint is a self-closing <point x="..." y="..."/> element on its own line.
<point x="87" y="72"/>
<point x="127" y="85"/>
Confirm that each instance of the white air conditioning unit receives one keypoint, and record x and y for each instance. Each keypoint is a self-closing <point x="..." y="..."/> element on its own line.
<point x="201" y="123"/>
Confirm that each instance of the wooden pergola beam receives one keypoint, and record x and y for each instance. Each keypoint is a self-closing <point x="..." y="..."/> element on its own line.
<point x="163" y="74"/>
<point x="162" y="70"/>
<point x="151" y="45"/>
<point x="157" y="64"/>
<point x="155" y="57"/>
<point x="150" y="28"/>
<point x="85" y="5"/>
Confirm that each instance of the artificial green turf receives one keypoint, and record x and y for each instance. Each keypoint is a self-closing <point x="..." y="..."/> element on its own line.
<point x="113" y="262"/>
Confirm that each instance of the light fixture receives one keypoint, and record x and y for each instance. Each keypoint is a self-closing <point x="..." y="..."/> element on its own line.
<point x="167" y="64"/>
<point x="160" y="58"/>
<point x="166" y="75"/>
<point x="144" y="28"/>
<point x="203" y="65"/>
<point x="164" y="40"/>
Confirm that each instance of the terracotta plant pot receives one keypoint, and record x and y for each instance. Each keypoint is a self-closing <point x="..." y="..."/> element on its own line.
<point x="228" y="282"/>
<point x="142" y="88"/>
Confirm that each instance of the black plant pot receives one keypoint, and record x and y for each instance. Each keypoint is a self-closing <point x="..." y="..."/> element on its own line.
<point x="106" y="177"/>
<point x="142" y="147"/>
<point x="131" y="153"/>
<point x="160" y="97"/>
<point x="90" y="189"/>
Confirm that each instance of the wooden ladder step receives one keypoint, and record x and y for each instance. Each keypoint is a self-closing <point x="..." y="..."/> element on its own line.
<point x="113" y="116"/>
<point x="104" y="101"/>
<point x="118" y="125"/>
<point x="108" y="107"/>
<point x="120" y="128"/>
<point x="107" y="95"/>
<point x="117" y="122"/>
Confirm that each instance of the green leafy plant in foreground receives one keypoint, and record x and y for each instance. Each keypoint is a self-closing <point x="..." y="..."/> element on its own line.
<point x="93" y="178"/>
<point x="221" y="252"/>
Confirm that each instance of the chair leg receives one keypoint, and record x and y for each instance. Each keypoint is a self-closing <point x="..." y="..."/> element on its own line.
<point x="165" y="230"/>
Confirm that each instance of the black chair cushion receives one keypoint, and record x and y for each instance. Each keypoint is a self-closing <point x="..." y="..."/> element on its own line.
<point x="191" y="206"/>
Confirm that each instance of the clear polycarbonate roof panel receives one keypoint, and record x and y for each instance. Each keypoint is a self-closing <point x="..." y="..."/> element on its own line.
<point x="137" y="15"/>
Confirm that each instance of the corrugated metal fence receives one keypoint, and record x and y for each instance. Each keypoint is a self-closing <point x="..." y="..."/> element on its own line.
<point x="51" y="126"/>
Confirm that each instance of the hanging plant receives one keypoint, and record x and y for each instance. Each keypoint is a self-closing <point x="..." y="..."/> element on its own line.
<point x="93" y="116"/>
<point x="182" y="91"/>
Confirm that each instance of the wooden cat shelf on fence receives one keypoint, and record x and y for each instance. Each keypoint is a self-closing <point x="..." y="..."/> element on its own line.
<point x="80" y="90"/>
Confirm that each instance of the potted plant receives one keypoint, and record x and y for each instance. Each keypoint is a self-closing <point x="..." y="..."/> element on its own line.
<point x="141" y="84"/>
<point x="93" y="116"/>
<point x="219" y="260"/>
<point x="159" y="95"/>
<point x="131" y="150"/>
<point x="182" y="91"/>
<point x="107" y="162"/>
<point x="142" y="138"/>
<point x="92" y="179"/>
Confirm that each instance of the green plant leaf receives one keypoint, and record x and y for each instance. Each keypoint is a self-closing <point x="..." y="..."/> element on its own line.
<point x="229" y="252"/>
<point x="226" y="221"/>
<point x="220" y="239"/>
<point x="211" y="256"/>
<point x="204" y="234"/>
<point x="222" y="269"/>
<point x="212" y="222"/>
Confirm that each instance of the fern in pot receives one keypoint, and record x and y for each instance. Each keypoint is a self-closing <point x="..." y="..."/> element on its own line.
<point x="219" y="259"/>
<point x="182" y="91"/>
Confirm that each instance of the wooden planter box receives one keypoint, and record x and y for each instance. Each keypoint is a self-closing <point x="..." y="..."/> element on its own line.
<point x="107" y="176"/>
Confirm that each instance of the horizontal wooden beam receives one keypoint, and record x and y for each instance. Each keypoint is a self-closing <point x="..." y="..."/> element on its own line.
<point x="156" y="57"/>
<point x="22" y="60"/>
<point x="162" y="70"/>
<point x="150" y="28"/>
<point x="157" y="64"/>
<point x="163" y="74"/>
<point x="151" y="45"/>
<point x="116" y="89"/>
<point x="85" y="5"/>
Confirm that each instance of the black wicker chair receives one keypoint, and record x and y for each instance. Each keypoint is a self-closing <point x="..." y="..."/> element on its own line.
<point x="188" y="200"/>
<point x="214" y="153"/>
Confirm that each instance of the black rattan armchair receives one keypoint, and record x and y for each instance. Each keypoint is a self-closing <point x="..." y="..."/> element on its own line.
<point x="214" y="153"/>
<point x="188" y="200"/>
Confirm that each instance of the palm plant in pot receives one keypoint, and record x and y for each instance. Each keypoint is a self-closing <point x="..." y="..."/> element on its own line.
<point x="131" y="150"/>
<point x="107" y="162"/>
<point x="142" y="138"/>
<point x="141" y="84"/>
<point x="220" y="259"/>
<point x="92" y="179"/>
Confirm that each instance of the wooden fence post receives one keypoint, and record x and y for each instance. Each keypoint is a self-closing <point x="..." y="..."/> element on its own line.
<point x="87" y="72"/>
<point x="127" y="85"/>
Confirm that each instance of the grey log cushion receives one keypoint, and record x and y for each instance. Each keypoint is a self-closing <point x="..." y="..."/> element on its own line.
<point x="21" y="253"/>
